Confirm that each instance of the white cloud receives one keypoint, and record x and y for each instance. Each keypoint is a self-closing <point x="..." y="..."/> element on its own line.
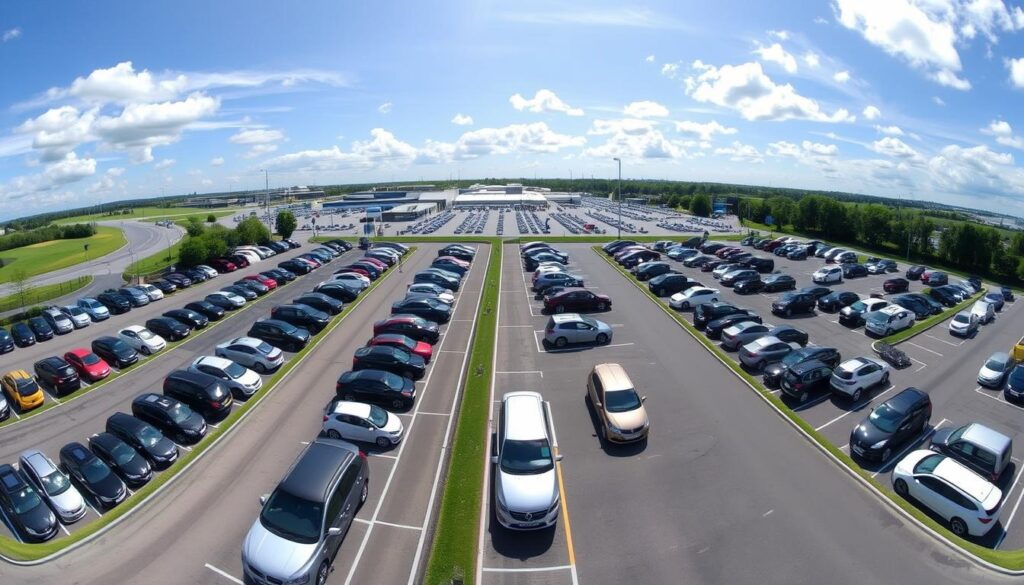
<point x="894" y="147"/>
<point x="889" y="130"/>
<point x="649" y="59"/>
<point x="596" y="16"/>
<point x="206" y="182"/>
<point x="164" y="164"/>
<point x="11" y="34"/>
<point x="544" y="100"/>
<point x="58" y="131"/>
<point x="646" y="109"/>
<point x="1016" y="67"/>
<point x="739" y="152"/>
<point x="385" y="108"/>
<point x="462" y="120"/>
<point x="140" y="127"/>
<point x="841" y="76"/>
<point x="257" y="136"/>
<point x="819" y="149"/>
<point x="258" y="150"/>
<point x="670" y="70"/>
<point x="782" y="35"/>
<point x="706" y="131"/>
<point x="1003" y="133"/>
<point x="746" y="89"/>
<point x="217" y="161"/>
<point x="776" y="54"/>
<point x="976" y="170"/>
<point x="633" y="139"/>
<point x="871" y="113"/>
<point x="938" y="101"/>
<point x="806" y="152"/>
<point x="811" y="59"/>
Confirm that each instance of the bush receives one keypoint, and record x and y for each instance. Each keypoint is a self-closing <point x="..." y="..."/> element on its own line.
<point x="211" y="218"/>
<point x="194" y="227"/>
<point x="193" y="252"/>
<point x="285" y="224"/>
<point x="251" y="231"/>
<point x="46" y="234"/>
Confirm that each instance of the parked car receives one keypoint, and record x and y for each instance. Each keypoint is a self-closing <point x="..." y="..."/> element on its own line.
<point x="792" y="303"/>
<point x="851" y="270"/>
<point x="167" y="328"/>
<point x="96" y="310"/>
<point x="160" y="451"/>
<point x="40" y="328"/>
<point x="136" y="297"/>
<point x="742" y="333"/>
<point x="58" y="321"/>
<point x="23" y="507"/>
<point x="950" y="490"/>
<point x="944" y="296"/>
<point x="575" y="300"/>
<point x="338" y="290"/>
<point x="280" y="334"/>
<point x="692" y="297"/>
<point x="853" y="315"/>
<point x="734" y="276"/>
<point x="938" y="279"/>
<point x="993" y="373"/>
<point x="697" y="261"/>
<point x="208" y="310"/>
<point x="525" y="483"/>
<point x="757" y="354"/>
<point x="882" y="266"/>
<point x="915" y="272"/>
<point x="22" y="390"/>
<point x="914" y="304"/>
<point x="789" y="334"/>
<point x="772" y="375"/>
<point x="827" y="274"/>
<point x="669" y="284"/>
<point x="252" y="353"/>
<point x="58" y="374"/>
<point x="963" y="324"/>
<point x="803" y="379"/>
<point x="188" y="318"/>
<point x="714" y="329"/>
<point x="208" y="395"/>
<point x="79" y="318"/>
<point x="53" y="486"/>
<point x="428" y="308"/>
<point x="242" y="381"/>
<point x="92" y="475"/>
<point x="141" y="339"/>
<point x="995" y="299"/>
<point x="888" y="320"/>
<point x="892" y="423"/>
<point x="984" y="311"/>
<point x="114" y="351"/>
<point x="556" y="279"/>
<point x="837" y="300"/>
<point x="22" y="335"/>
<point x="304" y="316"/>
<point x="574" y="328"/>
<point x="88" y="365"/>
<point x="378" y="387"/>
<point x="414" y="327"/>
<point x="649" y="270"/>
<point x="852" y="377"/>
<point x="365" y="423"/>
<point x="896" y="285"/>
<point x="620" y="409"/>
<point x="225" y="300"/>
<point x="171" y="416"/>
<point x="420" y="348"/>
<point x="977" y="447"/>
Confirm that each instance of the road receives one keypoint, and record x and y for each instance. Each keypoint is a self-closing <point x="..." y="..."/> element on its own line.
<point x="144" y="239"/>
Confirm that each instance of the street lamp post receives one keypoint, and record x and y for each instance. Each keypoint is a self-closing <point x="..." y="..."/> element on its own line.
<point x="619" y="160"/>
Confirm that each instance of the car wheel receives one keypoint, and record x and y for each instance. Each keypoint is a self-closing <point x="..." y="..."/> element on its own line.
<point x="789" y="312"/>
<point x="322" y="573"/>
<point x="397" y="404"/>
<point x="661" y="292"/>
<point x="146" y="350"/>
<point x="885" y="379"/>
<point x="856" y="395"/>
<point x="365" y="493"/>
<point x="333" y="434"/>
<point x="383" y="442"/>
<point x="559" y="308"/>
<point x="602" y="307"/>
<point x="958" y="527"/>
<point x="561" y="341"/>
<point x="685" y="306"/>
<point x="803" y="397"/>
<point x="259" y="368"/>
<point x="901" y="488"/>
<point x="886" y="454"/>
<point x="602" y="339"/>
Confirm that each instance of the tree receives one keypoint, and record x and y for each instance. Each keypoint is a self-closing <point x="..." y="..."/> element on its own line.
<point x="211" y="218"/>
<point x="873" y="226"/>
<point x="252" y="231"/>
<point x="21" y="287"/>
<point x="194" y="227"/>
<point x="700" y="205"/>
<point x="285" y="224"/>
<point x="193" y="251"/>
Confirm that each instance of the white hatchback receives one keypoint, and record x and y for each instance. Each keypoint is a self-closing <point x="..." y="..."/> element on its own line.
<point x="827" y="274"/>
<point x="141" y="339"/>
<point x="969" y="502"/>
<point x="691" y="297"/>
<point x="356" y="421"/>
<point x="854" y="376"/>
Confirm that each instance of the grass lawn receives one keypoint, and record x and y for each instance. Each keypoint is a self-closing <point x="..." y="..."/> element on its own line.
<point x="39" y="294"/>
<point x="156" y="262"/>
<point x="57" y="254"/>
<point x="139" y="213"/>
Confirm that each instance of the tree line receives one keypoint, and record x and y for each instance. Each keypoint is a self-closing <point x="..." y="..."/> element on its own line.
<point x="46" y="234"/>
<point x="203" y="242"/>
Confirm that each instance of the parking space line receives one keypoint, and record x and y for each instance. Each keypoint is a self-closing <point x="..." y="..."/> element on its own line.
<point x="433" y="413"/>
<point x="924" y="348"/>
<point x="997" y="398"/>
<point x="814" y="402"/>
<point x="947" y="342"/>
<point x="538" y="372"/>
<point x="64" y="528"/>
<point x="526" y="569"/>
<point x="923" y="365"/>
<point x="1009" y="521"/>
<point x="514" y="326"/>
<point x="224" y="574"/>
<point x="859" y="408"/>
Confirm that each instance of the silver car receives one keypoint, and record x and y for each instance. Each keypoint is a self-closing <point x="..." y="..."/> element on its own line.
<point x="60" y="322"/>
<point x="77" y="315"/>
<point x="251" y="353"/>
<point x="53" y="485"/>
<point x="96" y="310"/>
<point x="242" y="381"/>
<point x="743" y="333"/>
<point x="757" y="354"/>
<point x="575" y="328"/>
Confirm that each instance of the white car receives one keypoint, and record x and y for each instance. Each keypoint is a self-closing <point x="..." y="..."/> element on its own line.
<point x="429" y="287"/>
<point x="852" y="377"/>
<point x="77" y="315"/>
<point x="827" y="274"/>
<point x="351" y="278"/>
<point x="963" y="498"/>
<point x="356" y="421"/>
<point x="963" y="324"/>
<point x="546" y="269"/>
<point x="141" y="339"/>
<point x="242" y="381"/>
<point x="231" y="297"/>
<point x="888" y="320"/>
<point x="693" y="296"/>
<point x="151" y="291"/>
<point x="984" y="311"/>
<point x="251" y="353"/>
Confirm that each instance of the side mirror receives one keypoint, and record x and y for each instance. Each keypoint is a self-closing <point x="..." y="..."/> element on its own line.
<point x="263" y="499"/>
<point x="558" y="457"/>
<point x="334" y="531"/>
<point x="494" y="459"/>
<point x="643" y="399"/>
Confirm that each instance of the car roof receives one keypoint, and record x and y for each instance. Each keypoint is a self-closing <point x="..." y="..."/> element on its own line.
<point x="250" y="341"/>
<point x="953" y="472"/>
<point x="891" y="310"/>
<point x="156" y="399"/>
<point x="314" y="472"/>
<point x="524" y="416"/>
<point x="853" y="363"/>
<point x="992" y="440"/>
<point x="905" y="399"/>
<point x="360" y="409"/>
<point x="19" y="375"/>
<point x="566" y="318"/>
<point x="613" y="377"/>
<point x="217" y="362"/>
<point x="802" y="367"/>
<point x="54" y="361"/>
<point x="766" y="341"/>
<point x="135" y="328"/>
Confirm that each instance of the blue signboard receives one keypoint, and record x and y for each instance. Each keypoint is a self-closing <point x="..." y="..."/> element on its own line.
<point x="769" y="220"/>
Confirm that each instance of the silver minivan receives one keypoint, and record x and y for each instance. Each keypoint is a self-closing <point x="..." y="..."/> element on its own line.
<point x="525" y="485"/>
<point x="983" y="450"/>
<point x="304" y="521"/>
<point x="53" y="485"/>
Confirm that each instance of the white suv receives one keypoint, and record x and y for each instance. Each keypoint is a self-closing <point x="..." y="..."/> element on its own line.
<point x="854" y="376"/>
<point x="525" y="485"/>
<point x="827" y="274"/>
<point x="963" y="498"/>
<point x="888" y="320"/>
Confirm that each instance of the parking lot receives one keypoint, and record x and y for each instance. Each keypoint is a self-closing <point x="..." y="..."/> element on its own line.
<point x="685" y="504"/>
<point x="943" y="365"/>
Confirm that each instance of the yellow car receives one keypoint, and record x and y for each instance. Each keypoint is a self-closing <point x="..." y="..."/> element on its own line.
<point x="22" y="390"/>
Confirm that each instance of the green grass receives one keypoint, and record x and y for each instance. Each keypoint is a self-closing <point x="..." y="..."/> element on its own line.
<point x="155" y="262"/>
<point x="150" y="213"/>
<point x="926" y="324"/>
<point x="56" y="254"/>
<point x="454" y="549"/>
<point x="40" y="294"/>
<point x="14" y="550"/>
<point x="1012" y="560"/>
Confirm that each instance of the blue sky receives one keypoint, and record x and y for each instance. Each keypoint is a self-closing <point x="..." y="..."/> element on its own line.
<point x="112" y="100"/>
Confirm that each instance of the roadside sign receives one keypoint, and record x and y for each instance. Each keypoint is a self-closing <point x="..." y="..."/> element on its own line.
<point x="769" y="220"/>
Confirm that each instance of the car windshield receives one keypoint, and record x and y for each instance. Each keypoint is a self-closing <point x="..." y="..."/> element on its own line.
<point x="95" y="470"/>
<point x="962" y="319"/>
<point x="885" y="418"/>
<point x="526" y="457"/>
<point x="180" y="413"/>
<point x="55" y="484"/>
<point x="394" y="381"/>
<point x="928" y="464"/>
<point x="122" y="453"/>
<point x="858" y="306"/>
<point x="590" y="322"/>
<point x="90" y="359"/>
<point x="149" y="436"/>
<point x="378" y="416"/>
<point x="25" y="500"/>
<point x="400" y="355"/>
<point x="292" y="518"/>
<point x="75" y="311"/>
<point x="26" y="386"/>
<point x="621" y="400"/>
<point x="996" y="364"/>
<point x="145" y="334"/>
<point x="235" y="371"/>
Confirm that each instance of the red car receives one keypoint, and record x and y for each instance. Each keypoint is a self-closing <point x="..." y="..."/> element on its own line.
<point x="267" y="282"/>
<point x="239" y="260"/>
<point x="223" y="265"/>
<point x="378" y="263"/>
<point x="88" y="365"/>
<point x="454" y="261"/>
<point x="420" y="348"/>
<point x="577" y="300"/>
<point x="896" y="285"/>
<point x="721" y="253"/>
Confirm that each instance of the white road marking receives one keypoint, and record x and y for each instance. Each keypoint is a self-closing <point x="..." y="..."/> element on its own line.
<point x="224" y="574"/>
<point x="64" y="528"/>
<point x="383" y="455"/>
<point x="768" y="513"/>
<point x="924" y="348"/>
<point x="923" y="365"/>
<point x="538" y="372"/>
<point x="1006" y="526"/>
<point x="525" y="569"/>
<point x="947" y="342"/>
<point x="513" y="326"/>
<point x="998" y="398"/>
<point x="859" y="408"/>
<point x="434" y="413"/>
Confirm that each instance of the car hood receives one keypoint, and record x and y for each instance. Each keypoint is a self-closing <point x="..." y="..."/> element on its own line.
<point x="940" y="436"/>
<point x="628" y="420"/>
<point x="138" y="467"/>
<point x="989" y="374"/>
<point x="249" y="379"/>
<point x="68" y="502"/>
<point x="528" y="493"/>
<point x="868" y="434"/>
<point x="905" y="467"/>
<point x="393" y="425"/>
<point x="275" y="556"/>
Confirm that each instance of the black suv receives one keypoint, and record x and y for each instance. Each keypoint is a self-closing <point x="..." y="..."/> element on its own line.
<point x="186" y="317"/>
<point x="203" y="393"/>
<point x="890" y="425"/>
<point x="168" y="328"/>
<point x="115" y="302"/>
<point x="707" y="312"/>
<point x="58" y="375"/>
<point x="114" y="351"/>
<point x="320" y="302"/>
<point x="144" y="438"/>
<point x="806" y="378"/>
<point x="134" y="469"/>
<point x="915" y="272"/>
<point x="92" y="475"/>
<point x="208" y="310"/>
<point x="772" y="375"/>
<point x="174" y="418"/>
<point x="280" y="334"/>
<point x="377" y="386"/>
<point x="304" y="316"/>
<point x="669" y="284"/>
<point x="792" y="303"/>
<point x="391" y="359"/>
<point x="40" y="328"/>
<point x="834" y="301"/>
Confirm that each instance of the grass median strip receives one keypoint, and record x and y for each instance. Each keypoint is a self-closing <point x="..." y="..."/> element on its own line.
<point x="453" y="552"/>
<point x="40" y="294"/>
<point x="1010" y="560"/>
<point x="13" y="550"/>
<point x="928" y="323"/>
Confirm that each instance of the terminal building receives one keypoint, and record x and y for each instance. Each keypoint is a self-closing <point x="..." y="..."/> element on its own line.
<point x="511" y="195"/>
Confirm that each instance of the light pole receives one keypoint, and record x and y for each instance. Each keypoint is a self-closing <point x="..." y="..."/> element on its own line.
<point x="266" y="197"/>
<point x="619" y="226"/>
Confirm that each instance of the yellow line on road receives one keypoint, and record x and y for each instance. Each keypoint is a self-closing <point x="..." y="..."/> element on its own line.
<point x="565" y="514"/>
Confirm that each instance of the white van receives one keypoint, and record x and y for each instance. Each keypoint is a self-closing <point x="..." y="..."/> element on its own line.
<point x="525" y="485"/>
<point x="249" y="255"/>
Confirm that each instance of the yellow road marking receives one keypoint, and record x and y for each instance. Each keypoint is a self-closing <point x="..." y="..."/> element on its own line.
<point x="565" y="513"/>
